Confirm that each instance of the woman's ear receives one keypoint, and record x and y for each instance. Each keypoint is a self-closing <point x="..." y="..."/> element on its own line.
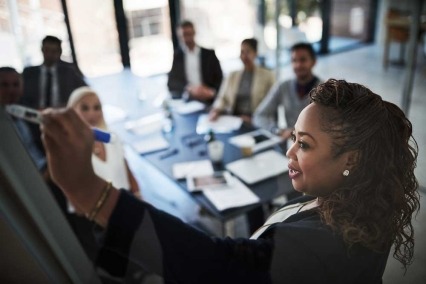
<point x="352" y="159"/>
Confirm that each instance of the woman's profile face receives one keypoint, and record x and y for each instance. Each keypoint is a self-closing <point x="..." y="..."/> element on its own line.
<point x="89" y="108"/>
<point x="312" y="167"/>
<point x="247" y="54"/>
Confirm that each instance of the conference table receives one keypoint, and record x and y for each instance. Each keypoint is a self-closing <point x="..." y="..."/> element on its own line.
<point x="154" y="171"/>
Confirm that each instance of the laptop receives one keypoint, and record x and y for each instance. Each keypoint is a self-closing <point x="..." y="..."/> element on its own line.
<point x="259" y="167"/>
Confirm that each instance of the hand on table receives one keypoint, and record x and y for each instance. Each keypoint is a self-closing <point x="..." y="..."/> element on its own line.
<point x="214" y="114"/>
<point x="201" y="92"/>
<point x="246" y="118"/>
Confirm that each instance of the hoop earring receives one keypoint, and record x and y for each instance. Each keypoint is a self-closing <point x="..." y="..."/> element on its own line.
<point x="346" y="173"/>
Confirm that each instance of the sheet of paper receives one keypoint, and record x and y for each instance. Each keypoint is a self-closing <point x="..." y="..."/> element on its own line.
<point x="234" y="195"/>
<point x="175" y="103"/>
<point x="224" y="124"/>
<point x="190" y="107"/>
<point x="113" y="114"/>
<point x="150" y="144"/>
<point x="194" y="168"/>
<point x="146" y="125"/>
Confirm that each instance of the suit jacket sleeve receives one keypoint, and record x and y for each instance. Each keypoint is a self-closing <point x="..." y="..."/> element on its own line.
<point x="263" y="80"/>
<point x="211" y="71"/>
<point x="299" y="250"/>
<point x="226" y="94"/>
<point x="165" y="245"/>
<point x="69" y="80"/>
<point x="177" y="81"/>
<point x="31" y="95"/>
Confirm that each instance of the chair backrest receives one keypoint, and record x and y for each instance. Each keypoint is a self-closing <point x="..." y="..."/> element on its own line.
<point x="397" y="22"/>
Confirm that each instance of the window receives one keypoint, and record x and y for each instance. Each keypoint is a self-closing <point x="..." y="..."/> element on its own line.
<point x="23" y="24"/>
<point x="145" y="22"/>
<point x="150" y="44"/>
<point x="222" y="25"/>
<point x="349" y="23"/>
<point x="95" y="36"/>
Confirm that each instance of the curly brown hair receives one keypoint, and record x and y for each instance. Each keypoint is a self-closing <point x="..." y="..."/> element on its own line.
<point x="375" y="204"/>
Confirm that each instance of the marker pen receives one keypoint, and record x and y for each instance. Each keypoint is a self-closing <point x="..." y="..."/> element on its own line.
<point x="34" y="116"/>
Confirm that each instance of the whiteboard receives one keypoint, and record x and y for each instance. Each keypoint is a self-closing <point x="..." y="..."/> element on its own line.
<point x="38" y="245"/>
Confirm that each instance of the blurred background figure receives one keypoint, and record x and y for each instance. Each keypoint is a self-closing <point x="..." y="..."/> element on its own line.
<point x="11" y="90"/>
<point x="50" y="84"/>
<point x="107" y="158"/>
<point x="196" y="71"/>
<point x="291" y="96"/>
<point x="243" y="90"/>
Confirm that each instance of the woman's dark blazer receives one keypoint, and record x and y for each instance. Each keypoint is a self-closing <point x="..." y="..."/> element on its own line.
<point x="299" y="250"/>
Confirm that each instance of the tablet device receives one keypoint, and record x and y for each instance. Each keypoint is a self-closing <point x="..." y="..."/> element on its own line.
<point x="260" y="137"/>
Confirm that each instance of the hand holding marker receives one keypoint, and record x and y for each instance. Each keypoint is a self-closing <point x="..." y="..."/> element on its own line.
<point x="34" y="116"/>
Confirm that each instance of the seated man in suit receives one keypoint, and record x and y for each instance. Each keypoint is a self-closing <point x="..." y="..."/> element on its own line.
<point x="196" y="71"/>
<point x="10" y="93"/>
<point x="50" y="84"/>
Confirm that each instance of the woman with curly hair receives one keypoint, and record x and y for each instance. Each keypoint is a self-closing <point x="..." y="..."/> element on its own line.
<point x="353" y="157"/>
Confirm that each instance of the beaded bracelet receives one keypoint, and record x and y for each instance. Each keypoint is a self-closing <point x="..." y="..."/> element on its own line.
<point x="100" y="202"/>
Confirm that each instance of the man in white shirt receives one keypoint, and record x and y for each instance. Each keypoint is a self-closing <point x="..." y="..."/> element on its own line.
<point x="196" y="71"/>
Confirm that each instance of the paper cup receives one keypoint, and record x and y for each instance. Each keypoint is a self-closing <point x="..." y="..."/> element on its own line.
<point x="246" y="145"/>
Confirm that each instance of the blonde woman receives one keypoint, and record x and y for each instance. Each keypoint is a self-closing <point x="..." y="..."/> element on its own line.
<point x="107" y="158"/>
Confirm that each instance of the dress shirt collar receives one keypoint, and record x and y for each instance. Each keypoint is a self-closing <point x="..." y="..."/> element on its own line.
<point x="195" y="51"/>
<point x="52" y="69"/>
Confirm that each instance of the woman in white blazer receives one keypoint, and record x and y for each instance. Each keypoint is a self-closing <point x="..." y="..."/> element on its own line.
<point x="243" y="90"/>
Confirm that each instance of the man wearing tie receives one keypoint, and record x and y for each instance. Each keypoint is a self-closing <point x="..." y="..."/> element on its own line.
<point x="50" y="84"/>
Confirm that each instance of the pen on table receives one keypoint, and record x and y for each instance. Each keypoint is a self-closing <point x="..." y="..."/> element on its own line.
<point x="169" y="153"/>
<point x="34" y="116"/>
